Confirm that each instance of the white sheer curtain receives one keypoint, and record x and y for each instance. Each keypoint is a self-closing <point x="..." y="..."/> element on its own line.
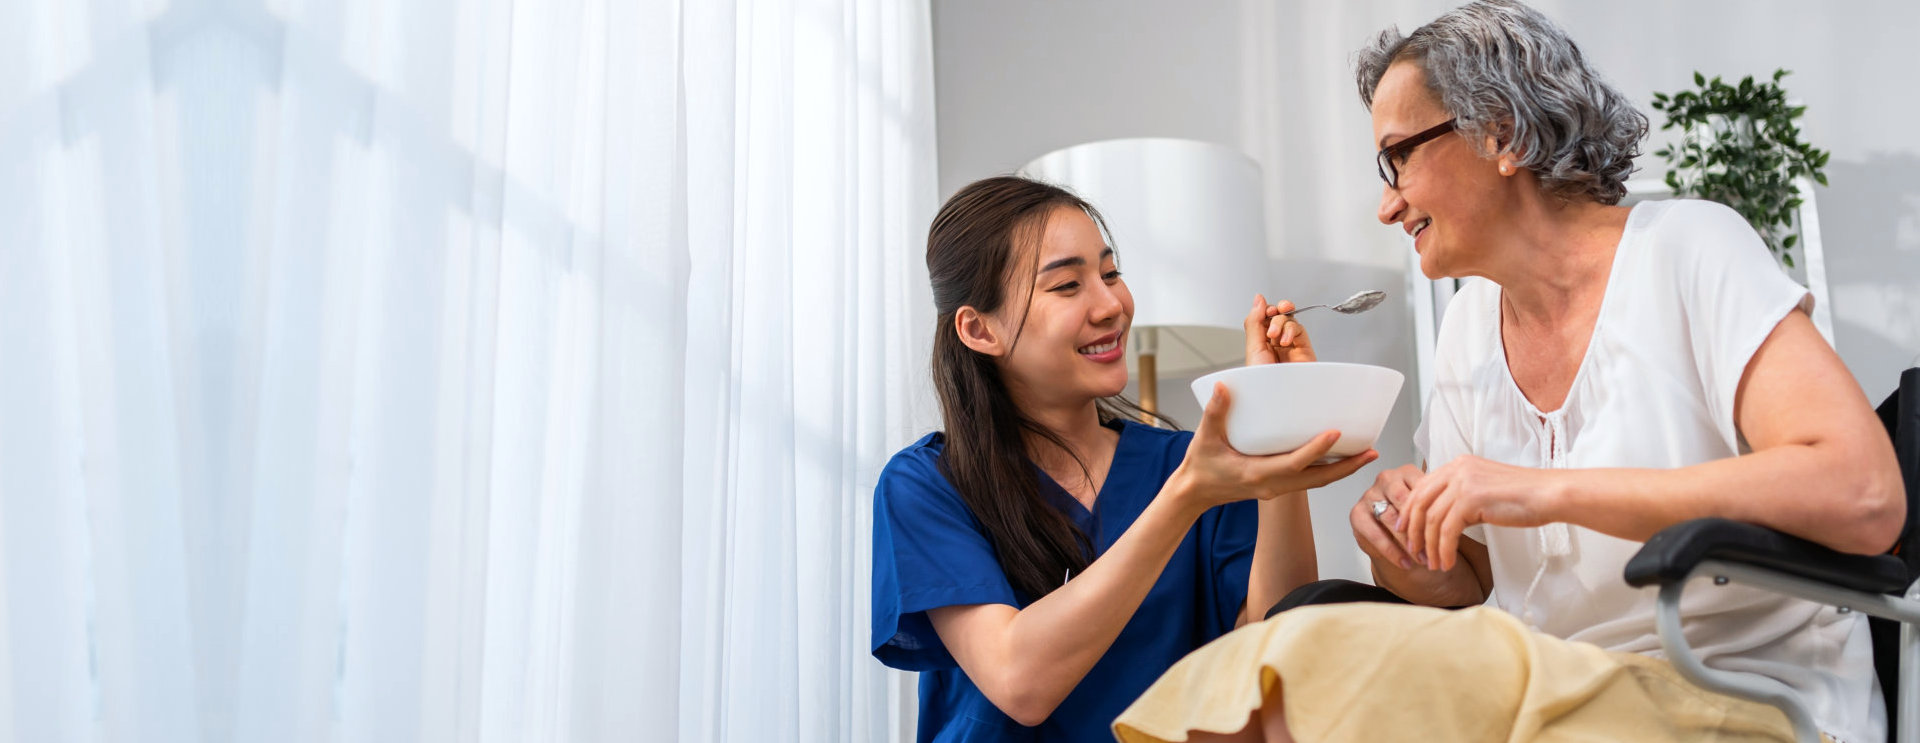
<point x="489" y="370"/>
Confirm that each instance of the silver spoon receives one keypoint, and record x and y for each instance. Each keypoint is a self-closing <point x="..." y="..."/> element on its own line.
<point x="1356" y="304"/>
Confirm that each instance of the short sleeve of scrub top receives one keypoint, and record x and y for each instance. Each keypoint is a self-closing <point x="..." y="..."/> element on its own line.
<point x="929" y="552"/>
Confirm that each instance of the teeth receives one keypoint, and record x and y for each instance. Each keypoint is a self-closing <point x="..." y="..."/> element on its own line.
<point x="1422" y="227"/>
<point x="1102" y="348"/>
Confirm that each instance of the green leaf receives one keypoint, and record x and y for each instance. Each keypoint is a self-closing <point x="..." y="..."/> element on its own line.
<point x="1699" y="79"/>
<point x="1791" y="239"/>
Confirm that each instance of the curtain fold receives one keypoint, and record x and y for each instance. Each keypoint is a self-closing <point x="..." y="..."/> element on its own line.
<point x="491" y="370"/>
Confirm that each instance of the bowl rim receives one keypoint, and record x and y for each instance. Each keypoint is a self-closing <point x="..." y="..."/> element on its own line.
<point x="1343" y="364"/>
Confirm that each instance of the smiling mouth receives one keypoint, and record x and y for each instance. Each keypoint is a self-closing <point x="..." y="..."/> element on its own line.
<point x="1100" y="348"/>
<point x="1421" y="226"/>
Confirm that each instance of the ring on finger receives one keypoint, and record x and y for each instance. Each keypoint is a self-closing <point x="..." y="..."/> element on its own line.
<point x="1378" y="507"/>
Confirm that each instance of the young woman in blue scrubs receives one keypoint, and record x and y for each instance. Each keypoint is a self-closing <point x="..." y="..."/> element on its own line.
<point x="1043" y="559"/>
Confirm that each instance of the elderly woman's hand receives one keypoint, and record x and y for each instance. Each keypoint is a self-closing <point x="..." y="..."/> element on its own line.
<point x="1373" y="524"/>
<point x="1467" y="491"/>
<point x="1273" y="336"/>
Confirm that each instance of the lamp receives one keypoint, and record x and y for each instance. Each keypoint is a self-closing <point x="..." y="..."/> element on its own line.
<point x="1185" y="220"/>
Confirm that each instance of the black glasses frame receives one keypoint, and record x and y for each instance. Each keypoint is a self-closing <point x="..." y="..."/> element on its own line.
<point x="1401" y="149"/>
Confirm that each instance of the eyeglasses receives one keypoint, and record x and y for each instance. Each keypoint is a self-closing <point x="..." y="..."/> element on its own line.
<point x="1401" y="149"/>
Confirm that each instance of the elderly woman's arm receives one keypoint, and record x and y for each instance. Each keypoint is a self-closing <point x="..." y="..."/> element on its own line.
<point x="1822" y="468"/>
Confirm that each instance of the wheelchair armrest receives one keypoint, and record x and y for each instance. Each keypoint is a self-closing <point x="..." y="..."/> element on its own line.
<point x="1671" y="554"/>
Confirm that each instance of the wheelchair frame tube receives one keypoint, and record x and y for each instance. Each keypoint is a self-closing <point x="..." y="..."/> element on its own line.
<point x="1880" y="605"/>
<point x="1905" y="610"/>
<point x="1909" y="700"/>
<point x="1746" y="686"/>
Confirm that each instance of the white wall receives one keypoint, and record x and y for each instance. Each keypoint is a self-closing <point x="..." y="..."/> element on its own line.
<point x="1017" y="78"/>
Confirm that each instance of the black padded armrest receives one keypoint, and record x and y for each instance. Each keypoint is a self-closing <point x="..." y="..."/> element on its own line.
<point x="1673" y="552"/>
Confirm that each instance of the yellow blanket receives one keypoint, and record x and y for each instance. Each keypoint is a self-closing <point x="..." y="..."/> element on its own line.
<point x="1378" y="672"/>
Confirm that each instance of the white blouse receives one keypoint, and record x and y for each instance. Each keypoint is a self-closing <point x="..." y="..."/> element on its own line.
<point x="1692" y="294"/>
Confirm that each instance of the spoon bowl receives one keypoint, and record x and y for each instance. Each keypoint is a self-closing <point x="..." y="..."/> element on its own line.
<point x="1356" y="304"/>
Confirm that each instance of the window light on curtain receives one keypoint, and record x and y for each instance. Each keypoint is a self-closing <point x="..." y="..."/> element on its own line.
<point x="455" y="371"/>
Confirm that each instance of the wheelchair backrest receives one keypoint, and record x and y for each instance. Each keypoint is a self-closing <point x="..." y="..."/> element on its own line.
<point x="1901" y="414"/>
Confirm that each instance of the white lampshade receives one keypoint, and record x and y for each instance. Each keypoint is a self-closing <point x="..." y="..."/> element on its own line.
<point x="1185" y="219"/>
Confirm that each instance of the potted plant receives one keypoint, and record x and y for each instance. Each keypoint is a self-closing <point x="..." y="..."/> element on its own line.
<point x="1740" y="147"/>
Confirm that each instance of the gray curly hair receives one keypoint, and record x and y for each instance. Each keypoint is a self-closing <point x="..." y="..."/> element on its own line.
<point x="1506" y="71"/>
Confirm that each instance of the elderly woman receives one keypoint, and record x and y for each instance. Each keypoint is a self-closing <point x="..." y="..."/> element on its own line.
<point x="1617" y="370"/>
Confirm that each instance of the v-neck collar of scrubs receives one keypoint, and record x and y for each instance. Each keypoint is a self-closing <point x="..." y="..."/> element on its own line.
<point x="1081" y="516"/>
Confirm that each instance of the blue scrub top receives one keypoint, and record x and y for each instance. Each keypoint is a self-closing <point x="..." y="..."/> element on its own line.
<point x="929" y="551"/>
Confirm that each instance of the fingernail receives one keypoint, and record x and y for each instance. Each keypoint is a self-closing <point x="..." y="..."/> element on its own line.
<point x="1421" y="558"/>
<point x="1406" y="564"/>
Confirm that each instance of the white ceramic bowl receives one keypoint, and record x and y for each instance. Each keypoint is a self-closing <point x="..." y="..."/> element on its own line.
<point x="1279" y="407"/>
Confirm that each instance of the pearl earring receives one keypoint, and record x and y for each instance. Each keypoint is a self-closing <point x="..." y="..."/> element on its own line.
<point x="1506" y="169"/>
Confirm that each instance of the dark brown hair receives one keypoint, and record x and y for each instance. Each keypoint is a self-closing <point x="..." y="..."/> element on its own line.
<point x="970" y="252"/>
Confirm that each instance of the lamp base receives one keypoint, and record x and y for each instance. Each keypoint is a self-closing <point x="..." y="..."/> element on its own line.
<point x="1149" y="390"/>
